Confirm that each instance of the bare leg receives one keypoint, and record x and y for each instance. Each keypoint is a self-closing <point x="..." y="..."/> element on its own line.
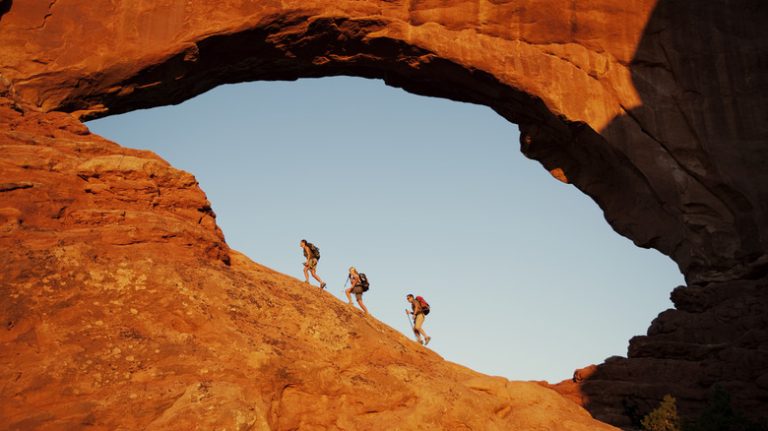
<point x="349" y="297"/>
<point x="306" y="274"/>
<point x="360" y="303"/>
<point x="418" y="330"/>
<point x="417" y="335"/>
<point x="314" y="274"/>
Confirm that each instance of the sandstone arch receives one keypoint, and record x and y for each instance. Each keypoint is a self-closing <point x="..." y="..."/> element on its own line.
<point x="654" y="109"/>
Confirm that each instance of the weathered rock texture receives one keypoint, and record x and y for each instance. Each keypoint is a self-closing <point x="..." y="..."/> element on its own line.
<point x="122" y="308"/>
<point x="656" y="109"/>
<point x="717" y="335"/>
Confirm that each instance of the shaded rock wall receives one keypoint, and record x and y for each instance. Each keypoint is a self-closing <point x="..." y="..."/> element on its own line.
<point x="702" y="71"/>
<point x="716" y="336"/>
<point x="654" y="109"/>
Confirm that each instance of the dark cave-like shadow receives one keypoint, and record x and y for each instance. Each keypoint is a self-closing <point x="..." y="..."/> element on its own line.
<point x="699" y="140"/>
<point x="5" y="6"/>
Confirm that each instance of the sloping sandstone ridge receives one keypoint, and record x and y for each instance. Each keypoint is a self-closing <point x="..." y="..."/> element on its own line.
<point x="656" y="109"/>
<point x="124" y="309"/>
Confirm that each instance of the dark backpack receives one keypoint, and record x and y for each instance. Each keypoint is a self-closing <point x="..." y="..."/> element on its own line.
<point x="424" y="305"/>
<point x="314" y="250"/>
<point x="363" y="282"/>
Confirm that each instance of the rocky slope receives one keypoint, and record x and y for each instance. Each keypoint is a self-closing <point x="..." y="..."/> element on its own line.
<point x="123" y="308"/>
<point x="654" y="108"/>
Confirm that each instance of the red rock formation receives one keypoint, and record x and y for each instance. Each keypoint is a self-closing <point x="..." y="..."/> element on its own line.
<point x="123" y="308"/>
<point x="609" y="92"/>
<point x="656" y="109"/>
<point x="60" y="178"/>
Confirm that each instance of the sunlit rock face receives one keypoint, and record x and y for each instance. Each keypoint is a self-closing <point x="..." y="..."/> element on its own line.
<point x="123" y="308"/>
<point x="656" y="109"/>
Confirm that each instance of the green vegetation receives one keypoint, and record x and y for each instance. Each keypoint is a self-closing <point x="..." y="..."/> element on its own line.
<point x="717" y="416"/>
<point x="664" y="418"/>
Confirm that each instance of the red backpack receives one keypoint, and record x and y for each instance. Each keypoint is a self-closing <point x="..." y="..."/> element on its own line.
<point x="424" y="305"/>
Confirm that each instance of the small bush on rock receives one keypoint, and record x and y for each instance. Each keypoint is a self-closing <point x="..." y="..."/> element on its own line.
<point x="664" y="418"/>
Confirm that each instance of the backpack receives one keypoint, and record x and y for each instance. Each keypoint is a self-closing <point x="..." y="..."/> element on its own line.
<point x="424" y="305"/>
<point x="315" y="251"/>
<point x="363" y="282"/>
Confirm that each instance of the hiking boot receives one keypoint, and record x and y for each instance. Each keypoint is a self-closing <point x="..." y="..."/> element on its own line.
<point x="426" y="340"/>
<point x="322" y="285"/>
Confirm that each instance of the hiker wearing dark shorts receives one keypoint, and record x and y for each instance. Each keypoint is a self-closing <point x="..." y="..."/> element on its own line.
<point x="356" y="288"/>
<point x="311" y="253"/>
<point x="417" y="310"/>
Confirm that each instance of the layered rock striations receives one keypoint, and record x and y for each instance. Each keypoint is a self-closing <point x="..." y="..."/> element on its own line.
<point x="123" y="308"/>
<point x="656" y="109"/>
<point x="717" y="336"/>
<point x="662" y="98"/>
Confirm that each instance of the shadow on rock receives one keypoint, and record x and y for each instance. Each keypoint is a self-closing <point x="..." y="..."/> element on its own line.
<point x="698" y="142"/>
<point x="5" y="6"/>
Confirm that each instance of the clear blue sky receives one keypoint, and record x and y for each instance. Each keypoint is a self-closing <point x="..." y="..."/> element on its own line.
<point x="525" y="278"/>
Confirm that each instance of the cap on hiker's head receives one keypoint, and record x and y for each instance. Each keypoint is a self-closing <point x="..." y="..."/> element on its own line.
<point x="352" y="269"/>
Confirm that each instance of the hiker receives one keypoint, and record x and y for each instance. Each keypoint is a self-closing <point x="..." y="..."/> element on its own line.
<point x="420" y="309"/>
<point x="359" y="284"/>
<point x="312" y="254"/>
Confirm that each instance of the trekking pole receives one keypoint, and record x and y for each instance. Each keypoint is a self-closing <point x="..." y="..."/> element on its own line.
<point x="409" y="319"/>
<point x="346" y="281"/>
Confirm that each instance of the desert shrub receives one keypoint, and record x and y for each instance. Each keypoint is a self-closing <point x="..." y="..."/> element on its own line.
<point x="664" y="418"/>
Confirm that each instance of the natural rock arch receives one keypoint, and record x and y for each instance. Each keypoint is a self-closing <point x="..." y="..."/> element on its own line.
<point x="651" y="108"/>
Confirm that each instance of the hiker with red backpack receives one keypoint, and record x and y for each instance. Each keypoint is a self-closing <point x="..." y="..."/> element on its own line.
<point x="312" y="254"/>
<point x="359" y="284"/>
<point x="419" y="309"/>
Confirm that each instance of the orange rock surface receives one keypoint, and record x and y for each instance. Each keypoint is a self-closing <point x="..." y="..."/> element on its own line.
<point x="123" y="308"/>
<point x="121" y="311"/>
<point x="654" y="108"/>
<point x="639" y="95"/>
